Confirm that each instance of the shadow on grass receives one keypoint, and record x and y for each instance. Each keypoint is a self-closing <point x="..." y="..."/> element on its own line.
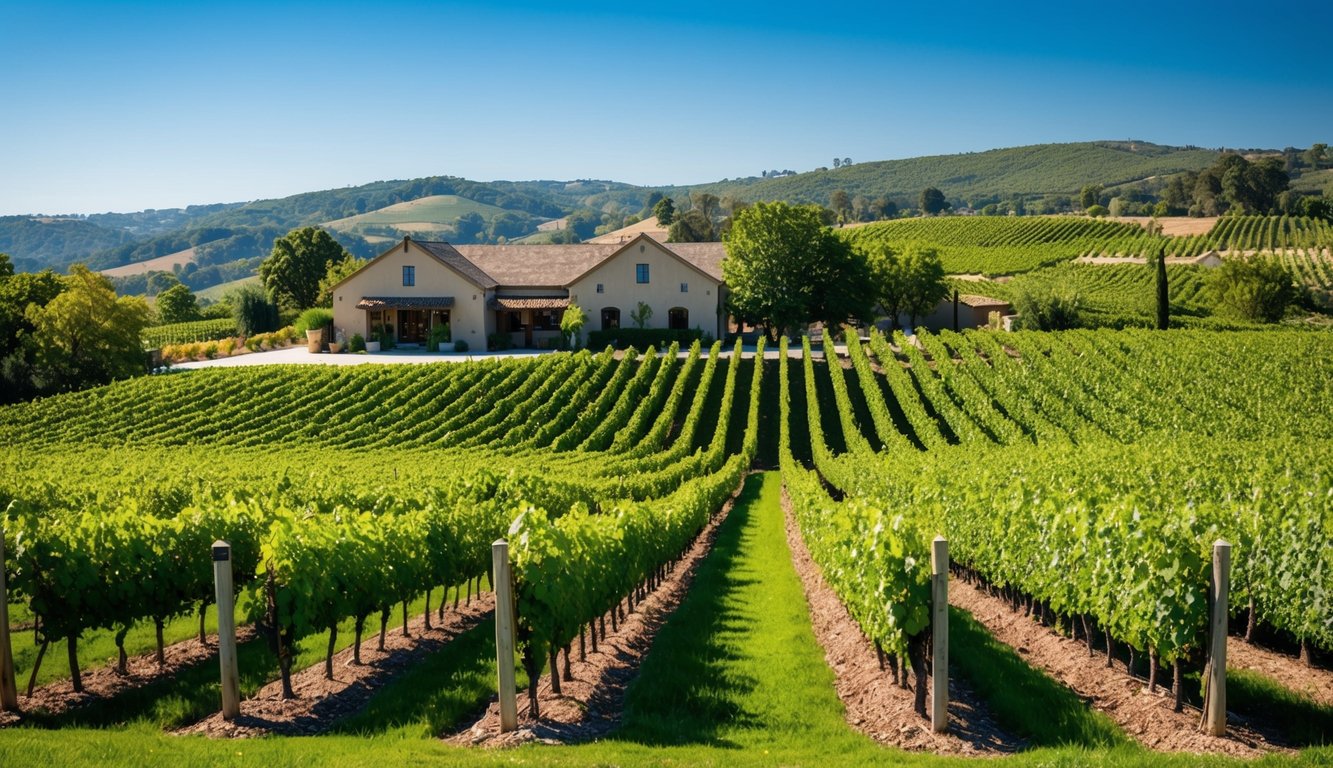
<point x="435" y="694"/>
<point x="171" y="702"/>
<point x="1277" y="711"/>
<point x="1025" y="701"/>
<point x="688" y="689"/>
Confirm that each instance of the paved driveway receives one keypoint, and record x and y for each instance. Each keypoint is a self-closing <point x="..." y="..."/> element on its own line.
<point x="297" y="355"/>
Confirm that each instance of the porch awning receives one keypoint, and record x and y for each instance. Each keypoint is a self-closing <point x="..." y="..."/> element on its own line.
<point x="530" y="302"/>
<point x="405" y="302"/>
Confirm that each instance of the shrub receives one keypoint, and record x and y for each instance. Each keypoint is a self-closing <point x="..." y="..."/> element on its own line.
<point x="314" y="319"/>
<point x="357" y="343"/>
<point x="460" y="345"/>
<point x="252" y="311"/>
<point x="499" y="342"/>
<point x="1097" y="211"/>
<point x="1258" y="290"/>
<point x="1047" y="305"/>
<point x="641" y="338"/>
<point x="440" y="334"/>
<point x="226" y="347"/>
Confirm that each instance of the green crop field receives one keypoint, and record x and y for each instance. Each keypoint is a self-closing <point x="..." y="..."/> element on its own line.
<point x="1007" y="245"/>
<point x="1081" y="475"/>
<point x="427" y="214"/>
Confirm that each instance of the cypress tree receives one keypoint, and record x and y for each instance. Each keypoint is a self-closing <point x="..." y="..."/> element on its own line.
<point x="1163" y="305"/>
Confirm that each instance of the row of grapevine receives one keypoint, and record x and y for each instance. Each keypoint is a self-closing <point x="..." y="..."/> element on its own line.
<point x="570" y="570"/>
<point x="159" y="336"/>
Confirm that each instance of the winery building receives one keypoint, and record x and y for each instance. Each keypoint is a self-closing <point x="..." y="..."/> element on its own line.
<point x="523" y="290"/>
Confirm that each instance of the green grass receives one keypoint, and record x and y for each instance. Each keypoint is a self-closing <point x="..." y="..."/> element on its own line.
<point x="1305" y="721"/>
<point x="437" y="209"/>
<point x="1024" y="700"/>
<point x="217" y="292"/>
<point x="437" y="694"/>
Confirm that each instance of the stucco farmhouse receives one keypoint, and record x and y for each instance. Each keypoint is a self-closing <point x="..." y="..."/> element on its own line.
<point x="522" y="290"/>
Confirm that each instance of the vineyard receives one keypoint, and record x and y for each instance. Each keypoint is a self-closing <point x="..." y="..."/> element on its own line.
<point x="1080" y="477"/>
<point x="1008" y="245"/>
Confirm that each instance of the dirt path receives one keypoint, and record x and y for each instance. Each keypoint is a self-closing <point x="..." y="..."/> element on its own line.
<point x="589" y="706"/>
<point x="320" y="703"/>
<point x="1146" y="717"/>
<point x="875" y="705"/>
<point x="58" y="697"/>
<point x="1314" y="682"/>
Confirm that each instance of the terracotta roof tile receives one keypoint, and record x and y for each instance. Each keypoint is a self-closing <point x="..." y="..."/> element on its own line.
<point x="405" y="302"/>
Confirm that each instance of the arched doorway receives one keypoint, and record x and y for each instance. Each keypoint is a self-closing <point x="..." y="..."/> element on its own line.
<point x="610" y="318"/>
<point x="678" y="319"/>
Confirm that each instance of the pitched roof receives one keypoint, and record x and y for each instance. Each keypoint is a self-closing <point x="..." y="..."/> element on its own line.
<point x="560" y="265"/>
<point x="973" y="300"/>
<point x="460" y="263"/>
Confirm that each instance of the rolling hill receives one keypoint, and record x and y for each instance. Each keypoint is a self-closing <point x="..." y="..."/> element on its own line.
<point x="1036" y="170"/>
<point x="226" y="240"/>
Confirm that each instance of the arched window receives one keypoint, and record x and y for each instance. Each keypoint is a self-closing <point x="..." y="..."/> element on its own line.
<point x="610" y="318"/>
<point x="678" y="319"/>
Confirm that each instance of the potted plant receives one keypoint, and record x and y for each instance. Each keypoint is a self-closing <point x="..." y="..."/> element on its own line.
<point x="441" y="338"/>
<point x="373" y="343"/>
<point x="339" y="340"/>
<point x="314" y="322"/>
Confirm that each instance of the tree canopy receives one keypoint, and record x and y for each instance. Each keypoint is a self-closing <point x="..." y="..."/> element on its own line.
<point x="785" y="269"/>
<point x="86" y="335"/>
<point x="1258" y="290"/>
<point x="910" y="283"/>
<point x="665" y="211"/>
<point x="177" y="304"/>
<point x="933" y="202"/>
<point x="299" y="260"/>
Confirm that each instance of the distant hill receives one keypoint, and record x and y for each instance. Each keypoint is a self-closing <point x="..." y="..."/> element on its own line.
<point x="36" y="242"/>
<point x="225" y="241"/>
<point x="978" y="177"/>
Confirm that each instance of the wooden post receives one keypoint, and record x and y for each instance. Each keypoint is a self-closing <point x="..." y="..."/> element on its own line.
<point x="226" y="600"/>
<point x="9" y="697"/>
<point x="939" y="622"/>
<point x="502" y="582"/>
<point x="1216" y="715"/>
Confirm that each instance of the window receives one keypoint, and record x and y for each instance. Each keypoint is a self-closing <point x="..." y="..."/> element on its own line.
<point x="514" y="321"/>
<point x="545" y="320"/>
<point x="601" y="288"/>
<point x="409" y="276"/>
<point x="678" y="319"/>
<point x="684" y="287"/>
<point x="610" y="318"/>
<point x="641" y="273"/>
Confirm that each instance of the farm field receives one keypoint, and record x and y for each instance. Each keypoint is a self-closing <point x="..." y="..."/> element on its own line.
<point x="1010" y="245"/>
<point x="1105" y="463"/>
<point x="427" y="214"/>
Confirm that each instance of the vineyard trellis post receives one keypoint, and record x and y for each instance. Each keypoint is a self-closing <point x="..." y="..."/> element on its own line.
<point x="503" y="584"/>
<point x="9" y="697"/>
<point x="939" y="623"/>
<point x="1216" y="714"/>
<point x="226" y="601"/>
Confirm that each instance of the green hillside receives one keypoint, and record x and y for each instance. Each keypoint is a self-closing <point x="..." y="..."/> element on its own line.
<point x="974" y="177"/>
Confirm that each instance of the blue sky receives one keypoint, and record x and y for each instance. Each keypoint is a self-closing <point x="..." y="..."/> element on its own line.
<point x="124" y="106"/>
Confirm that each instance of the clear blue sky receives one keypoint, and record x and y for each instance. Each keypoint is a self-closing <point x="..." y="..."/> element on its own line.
<point x="119" y="106"/>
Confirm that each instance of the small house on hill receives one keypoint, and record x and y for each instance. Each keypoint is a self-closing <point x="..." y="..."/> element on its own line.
<point x="523" y="290"/>
<point x="973" y="312"/>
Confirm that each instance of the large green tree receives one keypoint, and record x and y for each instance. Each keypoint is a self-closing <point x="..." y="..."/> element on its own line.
<point x="338" y="271"/>
<point x="909" y="283"/>
<point x="299" y="260"/>
<point x="177" y="304"/>
<point x="665" y="211"/>
<point x="692" y="227"/>
<point x="86" y="335"/>
<point x="784" y="269"/>
<point x="933" y="202"/>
